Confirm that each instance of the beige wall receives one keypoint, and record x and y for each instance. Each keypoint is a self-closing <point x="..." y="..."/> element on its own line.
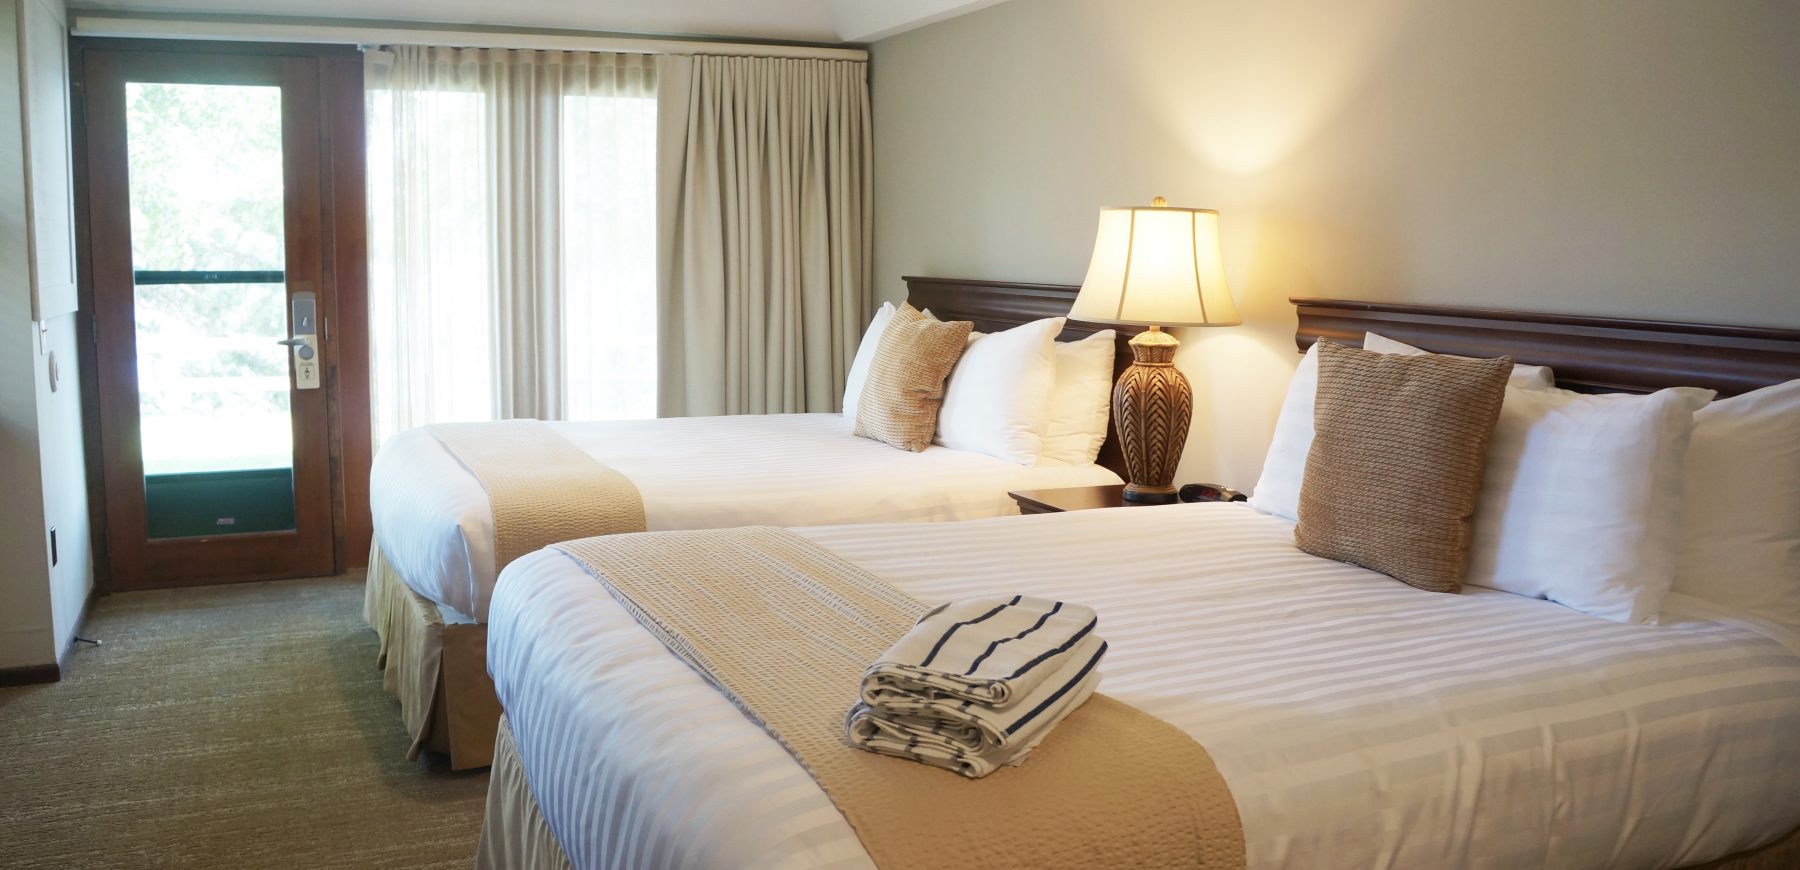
<point x="43" y="478"/>
<point x="27" y="635"/>
<point x="64" y="472"/>
<point x="1634" y="157"/>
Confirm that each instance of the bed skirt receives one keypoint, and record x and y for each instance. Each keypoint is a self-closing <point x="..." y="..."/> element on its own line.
<point x="436" y="667"/>
<point x="514" y="835"/>
<point x="1783" y="854"/>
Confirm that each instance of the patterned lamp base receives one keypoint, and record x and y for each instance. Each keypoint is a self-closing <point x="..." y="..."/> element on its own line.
<point x="1152" y="404"/>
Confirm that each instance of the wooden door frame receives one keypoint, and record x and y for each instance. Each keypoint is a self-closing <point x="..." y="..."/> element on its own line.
<point x="342" y="287"/>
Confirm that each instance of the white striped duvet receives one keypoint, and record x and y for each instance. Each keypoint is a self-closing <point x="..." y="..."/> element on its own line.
<point x="435" y="527"/>
<point x="1359" y="722"/>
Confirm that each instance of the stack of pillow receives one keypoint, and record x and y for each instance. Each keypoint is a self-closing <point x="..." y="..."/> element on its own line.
<point x="1018" y="395"/>
<point x="1615" y="505"/>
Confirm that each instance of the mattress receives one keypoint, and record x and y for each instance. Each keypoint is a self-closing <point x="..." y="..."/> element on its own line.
<point x="1359" y="722"/>
<point x="433" y="522"/>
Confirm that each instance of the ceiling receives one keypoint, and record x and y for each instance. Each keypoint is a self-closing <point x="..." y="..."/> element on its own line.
<point x="802" y="20"/>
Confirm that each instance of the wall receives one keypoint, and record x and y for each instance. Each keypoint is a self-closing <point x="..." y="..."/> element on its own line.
<point x="64" y="472"/>
<point x="1630" y="158"/>
<point x="27" y="634"/>
<point x="43" y="479"/>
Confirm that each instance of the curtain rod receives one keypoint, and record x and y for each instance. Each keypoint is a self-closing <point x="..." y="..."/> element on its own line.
<point x="125" y="26"/>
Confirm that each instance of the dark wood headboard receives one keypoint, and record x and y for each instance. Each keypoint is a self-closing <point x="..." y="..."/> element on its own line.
<point x="1590" y="354"/>
<point x="996" y="305"/>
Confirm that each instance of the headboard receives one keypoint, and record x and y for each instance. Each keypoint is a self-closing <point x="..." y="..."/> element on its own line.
<point x="1589" y="354"/>
<point x="997" y="305"/>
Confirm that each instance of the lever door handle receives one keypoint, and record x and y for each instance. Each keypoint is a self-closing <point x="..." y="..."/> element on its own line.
<point x="302" y="347"/>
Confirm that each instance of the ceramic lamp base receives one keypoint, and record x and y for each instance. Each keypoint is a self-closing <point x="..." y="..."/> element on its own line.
<point x="1154" y="495"/>
<point x="1152" y="405"/>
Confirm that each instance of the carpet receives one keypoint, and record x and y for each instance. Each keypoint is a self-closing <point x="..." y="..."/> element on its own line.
<point x="226" y="726"/>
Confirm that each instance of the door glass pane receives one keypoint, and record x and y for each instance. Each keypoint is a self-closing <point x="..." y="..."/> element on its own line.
<point x="207" y="247"/>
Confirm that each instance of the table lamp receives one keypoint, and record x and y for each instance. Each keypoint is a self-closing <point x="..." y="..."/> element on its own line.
<point x="1155" y="266"/>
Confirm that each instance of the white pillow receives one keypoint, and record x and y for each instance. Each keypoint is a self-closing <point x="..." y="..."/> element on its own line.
<point x="1581" y="502"/>
<point x="859" y="366"/>
<point x="1081" y="399"/>
<point x="1524" y="377"/>
<point x="1740" y="536"/>
<point x="1278" y="490"/>
<point x="998" y="395"/>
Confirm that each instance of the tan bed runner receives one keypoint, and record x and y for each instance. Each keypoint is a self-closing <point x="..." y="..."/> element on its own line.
<point x="785" y="627"/>
<point x="541" y="488"/>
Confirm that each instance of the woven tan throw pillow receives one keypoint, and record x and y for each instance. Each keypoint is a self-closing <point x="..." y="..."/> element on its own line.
<point x="1397" y="460"/>
<point x="900" y="401"/>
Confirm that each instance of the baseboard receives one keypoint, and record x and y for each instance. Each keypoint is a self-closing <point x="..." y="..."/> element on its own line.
<point x="66" y="655"/>
<point x="29" y="675"/>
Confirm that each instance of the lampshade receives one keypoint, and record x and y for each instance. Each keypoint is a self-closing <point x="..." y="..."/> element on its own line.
<point x="1156" y="265"/>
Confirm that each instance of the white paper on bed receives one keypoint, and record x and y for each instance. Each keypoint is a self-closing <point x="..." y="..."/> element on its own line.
<point x="1358" y="722"/>
<point x="434" y="524"/>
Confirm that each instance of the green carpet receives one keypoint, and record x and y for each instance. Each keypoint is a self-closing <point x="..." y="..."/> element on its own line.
<point x="226" y="726"/>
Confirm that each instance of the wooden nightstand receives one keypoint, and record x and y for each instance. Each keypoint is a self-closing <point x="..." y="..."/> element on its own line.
<point x="1083" y="498"/>
<point x="1071" y="498"/>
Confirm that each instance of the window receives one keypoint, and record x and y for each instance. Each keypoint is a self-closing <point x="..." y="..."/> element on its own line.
<point x="609" y="269"/>
<point x="205" y="171"/>
<point x="512" y="235"/>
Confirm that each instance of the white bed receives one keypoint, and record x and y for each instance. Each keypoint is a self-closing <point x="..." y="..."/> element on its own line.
<point x="1358" y="722"/>
<point x="435" y="528"/>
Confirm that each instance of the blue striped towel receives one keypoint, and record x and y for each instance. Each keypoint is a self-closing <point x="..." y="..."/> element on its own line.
<point x="977" y="683"/>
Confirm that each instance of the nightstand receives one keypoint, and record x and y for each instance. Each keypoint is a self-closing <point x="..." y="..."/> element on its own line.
<point x="1083" y="498"/>
<point x="1070" y="498"/>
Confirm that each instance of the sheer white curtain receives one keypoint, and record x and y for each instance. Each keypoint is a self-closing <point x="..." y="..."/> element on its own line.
<point x="512" y="235"/>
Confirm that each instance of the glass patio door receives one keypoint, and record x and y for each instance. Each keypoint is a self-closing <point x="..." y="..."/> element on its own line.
<point x="204" y="201"/>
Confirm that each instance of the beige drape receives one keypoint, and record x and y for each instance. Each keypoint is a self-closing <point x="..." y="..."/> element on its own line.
<point x="511" y="239"/>
<point x="763" y="275"/>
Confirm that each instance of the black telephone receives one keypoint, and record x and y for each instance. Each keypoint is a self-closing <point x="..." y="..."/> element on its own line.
<point x="1210" y="492"/>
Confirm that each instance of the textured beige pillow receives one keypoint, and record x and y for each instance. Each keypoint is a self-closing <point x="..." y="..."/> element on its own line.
<point x="1396" y="466"/>
<point x="900" y="401"/>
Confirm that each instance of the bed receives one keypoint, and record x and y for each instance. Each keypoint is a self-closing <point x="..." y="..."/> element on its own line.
<point x="1357" y="722"/>
<point x="432" y="566"/>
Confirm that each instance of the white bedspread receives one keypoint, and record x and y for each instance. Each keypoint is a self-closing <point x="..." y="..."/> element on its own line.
<point x="434" y="525"/>
<point x="1359" y="722"/>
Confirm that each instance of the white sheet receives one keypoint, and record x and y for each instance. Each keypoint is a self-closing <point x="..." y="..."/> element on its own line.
<point x="1359" y="722"/>
<point x="434" y="525"/>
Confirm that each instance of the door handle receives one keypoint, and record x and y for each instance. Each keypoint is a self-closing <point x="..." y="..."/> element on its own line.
<point x="303" y="348"/>
<point x="304" y="341"/>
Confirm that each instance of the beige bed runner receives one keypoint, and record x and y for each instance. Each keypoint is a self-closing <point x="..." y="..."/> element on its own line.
<point x="541" y="488"/>
<point x="785" y="628"/>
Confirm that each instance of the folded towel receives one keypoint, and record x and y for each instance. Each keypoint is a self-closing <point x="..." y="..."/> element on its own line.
<point x="991" y="651"/>
<point x="970" y="738"/>
<point x="977" y="683"/>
